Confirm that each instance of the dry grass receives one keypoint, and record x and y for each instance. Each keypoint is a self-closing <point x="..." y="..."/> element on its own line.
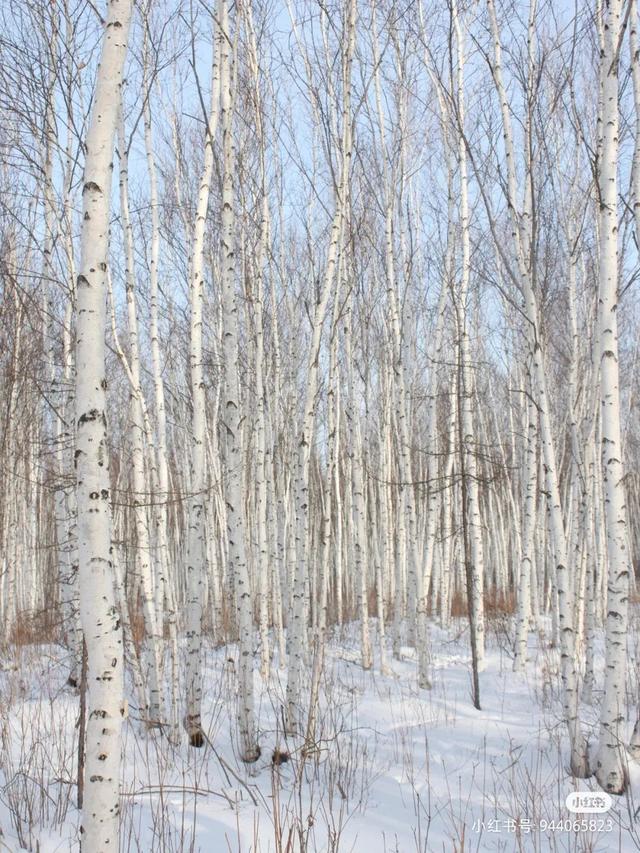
<point x="495" y="603"/>
<point x="36" y="628"/>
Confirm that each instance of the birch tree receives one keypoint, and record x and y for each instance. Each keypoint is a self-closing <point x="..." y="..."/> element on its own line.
<point x="98" y="607"/>
<point x="198" y="474"/>
<point x="610" y="766"/>
<point x="297" y="626"/>
<point x="234" y="495"/>
<point x="520" y="233"/>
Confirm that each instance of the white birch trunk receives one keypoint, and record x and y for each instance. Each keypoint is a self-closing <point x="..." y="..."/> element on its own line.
<point x="358" y="505"/>
<point x="578" y="759"/>
<point x="297" y="625"/>
<point x="166" y="593"/>
<point x="232" y="410"/>
<point x="610" y="763"/>
<point x="98" y="605"/>
<point x="196" y="551"/>
<point x="466" y="404"/>
<point x="141" y="491"/>
<point x="528" y="529"/>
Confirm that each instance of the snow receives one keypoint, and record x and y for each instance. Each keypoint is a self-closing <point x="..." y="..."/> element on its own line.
<point x="395" y="768"/>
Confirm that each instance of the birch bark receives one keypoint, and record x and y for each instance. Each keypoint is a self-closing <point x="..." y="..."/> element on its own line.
<point x="610" y="763"/>
<point x="466" y="414"/>
<point x="196" y="551"/>
<point x="141" y="490"/>
<point x="520" y="230"/>
<point x="232" y="410"/>
<point x="297" y="624"/>
<point x="98" y="606"/>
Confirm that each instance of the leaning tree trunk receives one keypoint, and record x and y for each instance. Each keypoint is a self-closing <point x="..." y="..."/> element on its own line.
<point x="524" y="248"/>
<point x="98" y="606"/>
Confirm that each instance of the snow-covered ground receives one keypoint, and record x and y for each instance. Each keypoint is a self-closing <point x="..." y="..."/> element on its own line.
<point x="396" y="769"/>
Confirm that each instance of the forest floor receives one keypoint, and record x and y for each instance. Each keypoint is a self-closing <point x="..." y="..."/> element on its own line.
<point x="397" y="769"/>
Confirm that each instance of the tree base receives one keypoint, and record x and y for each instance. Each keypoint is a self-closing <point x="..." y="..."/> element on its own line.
<point x="279" y="756"/>
<point x="614" y="784"/>
<point x="194" y="731"/>
<point x="251" y="756"/>
<point x="197" y="739"/>
<point x="634" y="751"/>
<point x="613" y="779"/>
<point x="580" y="769"/>
<point x="634" y="745"/>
